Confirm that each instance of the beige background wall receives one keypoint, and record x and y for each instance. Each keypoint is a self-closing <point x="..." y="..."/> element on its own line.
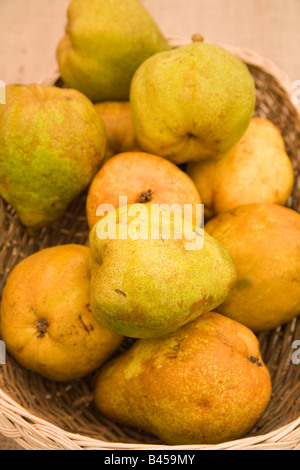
<point x="31" y="29"/>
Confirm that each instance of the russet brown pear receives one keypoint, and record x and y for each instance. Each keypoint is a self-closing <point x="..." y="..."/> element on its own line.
<point x="203" y="384"/>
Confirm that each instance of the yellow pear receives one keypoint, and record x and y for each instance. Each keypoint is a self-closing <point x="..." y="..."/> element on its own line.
<point x="46" y="320"/>
<point x="120" y="132"/>
<point x="256" y="170"/>
<point x="264" y="241"/>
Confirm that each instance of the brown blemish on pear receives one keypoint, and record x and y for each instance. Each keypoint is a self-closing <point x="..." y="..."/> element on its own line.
<point x="206" y="301"/>
<point x="145" y="196"/>
<point x="42" y="327"/>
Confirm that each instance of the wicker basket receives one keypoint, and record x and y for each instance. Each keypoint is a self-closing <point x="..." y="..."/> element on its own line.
<point x="40" y="414"/>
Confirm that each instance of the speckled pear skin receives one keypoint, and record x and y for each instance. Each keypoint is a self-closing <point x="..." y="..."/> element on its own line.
<point x="149" y="287"/>
<point x="206" y="383"/>
<point x="191" y="103"/>
<point x="105" y="42"/>
<point x="52" y="142"/>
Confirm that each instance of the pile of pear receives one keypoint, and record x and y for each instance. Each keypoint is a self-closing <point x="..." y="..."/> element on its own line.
<point x="141" y="126"/>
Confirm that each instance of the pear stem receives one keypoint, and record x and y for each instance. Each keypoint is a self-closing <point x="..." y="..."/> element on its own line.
<point x="146" y="196"/>
<point x="197" y="37"/>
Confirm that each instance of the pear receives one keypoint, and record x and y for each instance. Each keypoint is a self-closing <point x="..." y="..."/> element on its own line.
<point x="45" y="316"/>
<point x="120" y="132"/>
<point x="256" y="169"/>
<point x="52" y="142"/>
<point x="104" y="43"/>
<point x="140" y="177"/>
<point x="191" y="103"/>
<point x="263" y="241"/>
<point x="206" y="383"/>
<point x="152" y="271"/>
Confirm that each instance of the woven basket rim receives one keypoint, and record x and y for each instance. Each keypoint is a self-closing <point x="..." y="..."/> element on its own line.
<point x="12" y="411"/>
<point x="32" y="432"/>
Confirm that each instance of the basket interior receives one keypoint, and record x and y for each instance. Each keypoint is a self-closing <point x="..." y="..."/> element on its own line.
<point x="69" y="406"/>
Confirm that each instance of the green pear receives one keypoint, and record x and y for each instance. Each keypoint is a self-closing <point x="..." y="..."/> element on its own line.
<point x="52" y="142"/>
<point x="105" y="42"/>
<point x="206" y="383"/>
<point x="152" y="271"/>
<point x="191" y="103"/>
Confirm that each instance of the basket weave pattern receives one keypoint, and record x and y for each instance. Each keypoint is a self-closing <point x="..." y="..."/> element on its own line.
<point x="41" y="414"/>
